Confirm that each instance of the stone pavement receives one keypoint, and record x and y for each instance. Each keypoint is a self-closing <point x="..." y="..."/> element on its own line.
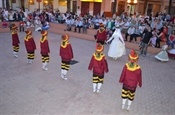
<point x="27" y="89"/>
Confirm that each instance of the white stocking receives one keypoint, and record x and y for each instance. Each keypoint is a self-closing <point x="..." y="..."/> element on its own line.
<point x="62" y="73"/>
<point x="129" y="105"/>
<point x="94" y="87"/>
<point x="123" y="103"/>
<point x="99" y="87"/>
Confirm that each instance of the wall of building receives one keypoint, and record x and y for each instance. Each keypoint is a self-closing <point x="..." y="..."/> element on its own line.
<point x="105" y="6"/>
<point x="15" y="6"/>
<point x="36" y="6"/>
<point x="56" y="6"/>
<point x="1" y="4"/>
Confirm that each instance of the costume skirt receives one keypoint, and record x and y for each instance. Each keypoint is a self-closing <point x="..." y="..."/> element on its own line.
<point x="128" y="94"/>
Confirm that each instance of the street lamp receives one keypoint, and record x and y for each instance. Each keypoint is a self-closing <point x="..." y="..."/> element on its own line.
<point x="132" y="2"/>
<point x="46" y="2"/>
<point x="31" y="2"/>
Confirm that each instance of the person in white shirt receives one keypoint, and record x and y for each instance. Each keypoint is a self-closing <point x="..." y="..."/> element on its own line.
<point x="68" y="24"/>
<point x="125" y="27"/>
<point x="130" y="31"/>
<point x="104" y="21"/>
<point x="10" y="15"/>
<point x="37" y="23"/>
<point x="137" y="33"/>
<point x="79" y="25"/>
<point x="96" y="23"/>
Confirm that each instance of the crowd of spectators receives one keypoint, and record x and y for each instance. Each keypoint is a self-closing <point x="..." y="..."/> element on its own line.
<point x="130" y="25"/>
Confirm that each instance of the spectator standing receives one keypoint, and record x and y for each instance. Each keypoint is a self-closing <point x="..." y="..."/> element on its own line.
<point x="171" y="39"/>
<point x="145" y="41"/>
<point x="21" y="26"/>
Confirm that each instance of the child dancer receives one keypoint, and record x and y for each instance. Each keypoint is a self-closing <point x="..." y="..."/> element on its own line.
<point x="131" y="77"/>
<point x="30" y="46"/>
<point x="15" y="40"/>
<point x="44" y="45"/>
<point x="99" y="66"/>
<point x="66" y="54"/>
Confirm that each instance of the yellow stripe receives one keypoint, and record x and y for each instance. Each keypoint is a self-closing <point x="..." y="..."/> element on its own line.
<point x="62" y="63"/>
<point x="95" y="77"/>
<point x="127" y="96"/>
<point x="66" y="67"/>
<point x="95" y="81"/>
<point x="127" y="92"/>
<point x="100" y="79"/>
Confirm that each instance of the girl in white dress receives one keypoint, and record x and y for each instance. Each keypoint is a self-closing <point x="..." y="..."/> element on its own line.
<point x="163" y="56"/>
<point x="117" y="46"/>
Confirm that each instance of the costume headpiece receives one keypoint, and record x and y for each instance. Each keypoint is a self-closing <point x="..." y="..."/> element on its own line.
<point x="28" y="32"/>
<point x="14" y="26"/>
<point x="99" y="47"/>
<point x="44" y="32"/>
<point x="101" y="25"/>
<point x="133" y="56"/>
<point x="65" y="37"/>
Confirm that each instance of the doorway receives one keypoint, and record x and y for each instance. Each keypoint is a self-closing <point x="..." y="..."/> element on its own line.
<point x="97" y="8"/>
<point x="74" y="7"/>
<point x="121" y="7"/>
<point x="84" y="8"/>
<point x="22" y="5"/>
<point x="153" y="9"/>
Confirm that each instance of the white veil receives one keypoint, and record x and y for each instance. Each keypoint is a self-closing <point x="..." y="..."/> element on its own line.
<point x="117" y="31"/>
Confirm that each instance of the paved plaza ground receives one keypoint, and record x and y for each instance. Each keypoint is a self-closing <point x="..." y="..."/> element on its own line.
<point x="27" y="89"/>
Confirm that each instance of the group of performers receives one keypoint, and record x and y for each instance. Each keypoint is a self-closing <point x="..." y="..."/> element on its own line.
<point x="131" y="75"/>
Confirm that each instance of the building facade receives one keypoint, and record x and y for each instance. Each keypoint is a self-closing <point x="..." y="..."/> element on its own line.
<point x="94" y="7"/>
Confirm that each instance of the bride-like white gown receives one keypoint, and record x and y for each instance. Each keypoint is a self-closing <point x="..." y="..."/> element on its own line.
<point x="117" y="46"/>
